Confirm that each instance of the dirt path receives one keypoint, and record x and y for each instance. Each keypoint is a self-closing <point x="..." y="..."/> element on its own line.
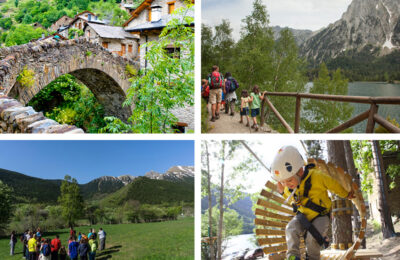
<point x="230" y="124"/>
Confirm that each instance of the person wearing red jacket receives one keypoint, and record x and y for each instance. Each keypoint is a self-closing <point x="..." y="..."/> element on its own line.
<point x="55" y="246"/>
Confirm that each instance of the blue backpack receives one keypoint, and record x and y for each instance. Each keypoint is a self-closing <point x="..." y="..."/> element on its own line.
<point x="46" y="250"/>
<point x="231" y="85"/>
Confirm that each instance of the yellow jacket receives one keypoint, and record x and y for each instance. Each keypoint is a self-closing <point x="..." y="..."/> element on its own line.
<point x="32" y="245"/>
<point x="320" y="184"/>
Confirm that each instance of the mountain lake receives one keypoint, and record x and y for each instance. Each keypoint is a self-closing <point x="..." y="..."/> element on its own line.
<point x="372" y="89"/>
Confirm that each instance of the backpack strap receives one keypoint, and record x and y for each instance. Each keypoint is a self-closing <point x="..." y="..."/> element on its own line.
<point x="322" y="241"/>
<point x="307" y="186"/>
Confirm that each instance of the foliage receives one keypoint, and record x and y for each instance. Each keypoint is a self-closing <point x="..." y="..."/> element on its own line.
<point x="314" y="148"/>
<point x="324" y="115"/>
<point x="204" y="116"/>
<point x="68" y="102"/>
<point x="23" y="33"/>
<point x="70" y="200"/>
<point x="130" y="71"/>
<point x="381" y="130"/>
<point x="73" y="31"/>
<point x="115" y="125"/>
<point x="167" y="82"/>
<point x="233" y="223"/>
<point x="6" y="204"/>
<point x="6" y="23"/>
<point x="88" y="53"/>
<point x="27" y="77"/>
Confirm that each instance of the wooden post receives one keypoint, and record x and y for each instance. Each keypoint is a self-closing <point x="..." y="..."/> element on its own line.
<point x="297" y="117"/>
<point x="371" y="122"/>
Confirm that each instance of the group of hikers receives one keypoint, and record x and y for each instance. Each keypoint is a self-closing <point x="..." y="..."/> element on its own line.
<point x="36" y="247"/>
<point x="219" y="91"/>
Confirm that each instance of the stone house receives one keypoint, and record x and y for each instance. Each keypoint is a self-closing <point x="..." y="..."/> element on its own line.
<point x="64" y="21"/>
<point x="80" y="19"/>
<point x="127" y="5"/>
<point x="113" y="38"/>
<point x="147" y="21"/>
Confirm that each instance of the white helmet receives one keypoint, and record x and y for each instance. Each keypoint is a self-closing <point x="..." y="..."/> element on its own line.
<point x="286" y="163"/>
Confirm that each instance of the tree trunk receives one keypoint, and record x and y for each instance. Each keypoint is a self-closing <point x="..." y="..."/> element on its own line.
<point x="356" y="178"/>
<point x="341" y="219"/>
<point x="221" y="203"/>
<point x="383" y="207"/>
<point x="212" y="254"/>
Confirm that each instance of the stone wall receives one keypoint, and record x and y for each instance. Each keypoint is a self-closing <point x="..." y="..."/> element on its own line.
<point x="16" y="118"/>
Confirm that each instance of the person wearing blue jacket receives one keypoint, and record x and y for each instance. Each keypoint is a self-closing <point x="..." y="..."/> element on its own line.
<point x="73" y="249"/>
<point x="83" y="250"/>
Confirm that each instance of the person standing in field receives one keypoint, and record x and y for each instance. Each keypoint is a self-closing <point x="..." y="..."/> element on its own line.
<point x="230" y="87"/>
<point x="255" y="98"/>
<point x="45" y="251"/>
<point x="73" y="249"/>
<point x="216" y="82"/>
<point x="55" y="246"/>
<point x="93" y="247"/>
<point x="13" y="241"/>
<point x="102" y="238"/>
<point x="63" y="253"/>
<point x="32" y="243"/>
<point x="83" y="250"/>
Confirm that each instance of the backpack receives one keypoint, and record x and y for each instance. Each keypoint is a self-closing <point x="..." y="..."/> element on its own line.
<point x="231" y="85"/>
<point x="46" y="250"/>
<point x="205" y="92"/>
<point x="215" y="80"/>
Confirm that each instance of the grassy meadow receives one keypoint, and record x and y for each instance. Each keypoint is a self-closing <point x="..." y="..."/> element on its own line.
<point x="158" y="240"/>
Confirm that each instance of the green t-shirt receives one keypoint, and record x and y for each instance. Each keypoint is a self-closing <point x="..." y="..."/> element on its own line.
<point x="256" y="100"/>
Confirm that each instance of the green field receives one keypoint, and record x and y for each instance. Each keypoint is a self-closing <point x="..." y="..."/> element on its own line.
<point x="160" y="240"/>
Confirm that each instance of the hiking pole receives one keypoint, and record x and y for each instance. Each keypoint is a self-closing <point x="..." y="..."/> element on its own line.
<point x="258" y="159"/>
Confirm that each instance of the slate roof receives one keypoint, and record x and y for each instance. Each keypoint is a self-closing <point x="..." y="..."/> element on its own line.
<point x="157" y="25"/>
<point x="110" y="32"/>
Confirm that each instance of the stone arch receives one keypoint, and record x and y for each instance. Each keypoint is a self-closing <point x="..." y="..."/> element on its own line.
<point x="102" y="72"/>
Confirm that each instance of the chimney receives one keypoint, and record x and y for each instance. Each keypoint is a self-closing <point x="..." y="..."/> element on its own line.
<point x="89" y="17"/>
<point x="155" y="13"/>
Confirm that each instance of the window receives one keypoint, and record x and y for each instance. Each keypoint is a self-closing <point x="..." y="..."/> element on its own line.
<point x="130" y="48"/>
<point x="80" y="26"/>
<point x="171" y="7"/>
<point x="123" y="48"/>
<point x="149" y="14"/>
<point x="138" y="49"/>
<point x="173" y="52"/>
<point x="105" y="45"/>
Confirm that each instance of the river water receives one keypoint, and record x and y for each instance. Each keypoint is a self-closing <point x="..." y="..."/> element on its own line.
<point x="237" y="244"/>
<point x="374" y="89"/>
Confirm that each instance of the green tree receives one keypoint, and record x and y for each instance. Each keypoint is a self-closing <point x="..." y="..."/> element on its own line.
<point x="6" y="23"/>
<point x="324" y="115"/>
<point x="71" y="200"/>
<point x="6" y="204"/>
<point x="223" y="47"/>
<point x="23" y="33"/>
<point x="27" y="19"/>
<point x="207" y="50"/>
<point x="16" y="3"/>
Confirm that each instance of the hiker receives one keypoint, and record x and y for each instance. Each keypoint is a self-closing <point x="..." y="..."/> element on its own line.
<point x="216" y="82"/>
<point x="205" y="90"/>
<point x="83" y="250"/>
<point x="93" y="247"/>
<point x="102" y="238"/>
<point x="73" y="249"/>
<point x="38" y="234"/>
<point x="72" y="232"/>
<point x="244" y="106"/>
<point x="24" y="242"/>
<point x="308" y="187"/>
<point x="32" y="243"/>
<point x="255" y="98"/>
<point x="90" y="233"/>
<point x="45" y="251"/>
<point x="13" y="241"/>
<point x="63" y="253"/>
<point x="55" y="246"/>
<point x="230" y="87"/>
<point x="79" y="236"/>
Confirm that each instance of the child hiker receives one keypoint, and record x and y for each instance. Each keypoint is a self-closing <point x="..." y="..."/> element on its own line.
<point x="309" y="190"/>
<point x="244" y="106"/>
<point x="255" y="98"/>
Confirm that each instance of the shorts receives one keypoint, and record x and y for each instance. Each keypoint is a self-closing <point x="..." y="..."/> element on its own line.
<point x="245" y="111"/>
<point x="255" y="112"/>
<point x="215" y="96"/>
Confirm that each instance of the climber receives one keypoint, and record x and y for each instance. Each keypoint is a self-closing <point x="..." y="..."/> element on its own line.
<point x="306" y="187"/>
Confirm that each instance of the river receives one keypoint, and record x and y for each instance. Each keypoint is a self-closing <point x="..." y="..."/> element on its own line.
<point x="237" y="244"/>
<point x="374" y="89"/>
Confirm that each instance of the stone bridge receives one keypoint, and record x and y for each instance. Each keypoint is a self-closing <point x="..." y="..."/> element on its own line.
<point x="102" y="72"/>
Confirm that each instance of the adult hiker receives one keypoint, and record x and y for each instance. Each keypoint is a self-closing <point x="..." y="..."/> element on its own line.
<point x="32" y="243"/>
<point x="55" y="246"/>
<point x="230" y="87"/>
<point x="45" y="251"/>
<point x="13" y="241"/>
<point x="73" y="249"/>
<point x="216" y="82"/>
<point x="307" y="188"/>
<point x="102" y="238"/>
<point x="83" y="250"/>
<point x="24" y="241"/>
<point x="93" y="247"/>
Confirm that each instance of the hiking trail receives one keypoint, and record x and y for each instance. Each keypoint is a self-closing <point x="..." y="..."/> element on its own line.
<point x="230" y="124"/>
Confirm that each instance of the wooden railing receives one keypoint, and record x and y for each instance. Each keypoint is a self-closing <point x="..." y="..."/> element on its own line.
<point x="371" y="114"/>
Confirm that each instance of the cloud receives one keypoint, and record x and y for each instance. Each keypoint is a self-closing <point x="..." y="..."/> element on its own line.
<point x="305" y="14"/>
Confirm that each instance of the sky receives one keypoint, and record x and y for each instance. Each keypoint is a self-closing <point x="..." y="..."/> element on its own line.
<point x="266" y="151"/>
<point x="87" y="160"/>
<point x="297" y="14"/>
